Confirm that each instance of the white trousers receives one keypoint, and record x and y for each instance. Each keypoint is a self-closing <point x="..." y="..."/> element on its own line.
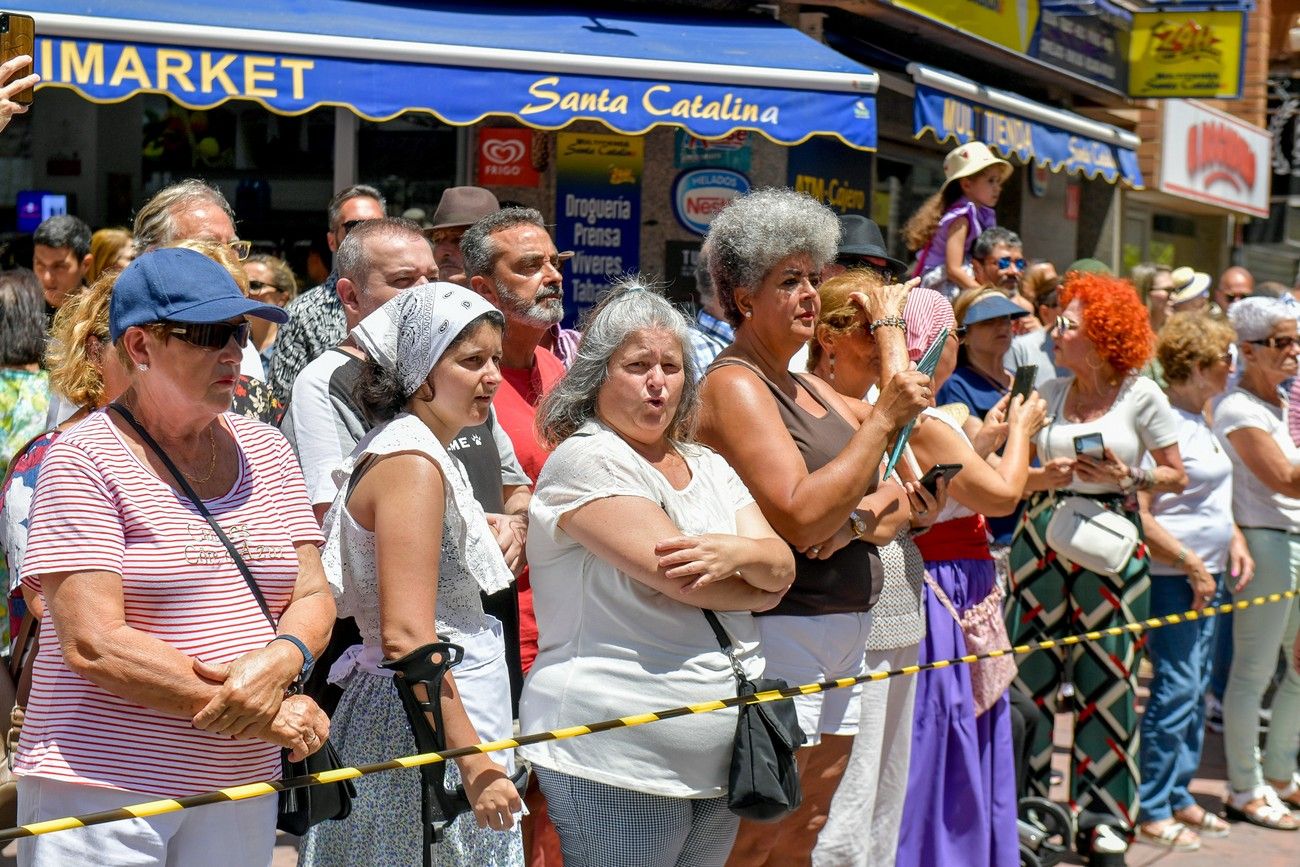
<point x="867" y="810"/>
<point x="237" y="833"/>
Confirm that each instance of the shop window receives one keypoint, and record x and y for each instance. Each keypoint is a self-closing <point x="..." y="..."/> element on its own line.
<point x="410" y="159"/>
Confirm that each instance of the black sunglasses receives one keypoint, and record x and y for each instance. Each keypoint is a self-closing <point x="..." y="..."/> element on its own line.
<point x="210" y="335"/>
<point x="349" y="225"/>
<point x="1276" y="342"/>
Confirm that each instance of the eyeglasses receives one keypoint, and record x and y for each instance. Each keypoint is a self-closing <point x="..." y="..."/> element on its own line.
<point x="257" y="288"/>
<point x="210" y="335"/>
<point x="1064" y="324"/>
<point x="1005" y="262"/>
<point x="241" y="249"/>
<point x="349" y="225"/>
<point x="1277" y="342"/>
<point x="1233" y="299"/>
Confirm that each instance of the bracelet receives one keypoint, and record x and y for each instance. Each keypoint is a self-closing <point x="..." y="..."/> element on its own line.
<point x="894" y="321"/>
<point x="1142" y="478"/>
<point x="1182" y="557"/>
<point x="307" y="659"/>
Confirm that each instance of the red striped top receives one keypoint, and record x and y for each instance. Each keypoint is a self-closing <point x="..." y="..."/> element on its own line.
<point x="97" y="507"/>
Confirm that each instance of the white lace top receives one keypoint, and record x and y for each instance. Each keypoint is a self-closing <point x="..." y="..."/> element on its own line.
<point x="470" y="559"/>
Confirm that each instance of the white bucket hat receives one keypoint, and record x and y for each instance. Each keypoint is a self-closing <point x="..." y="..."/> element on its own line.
<point x="1188" y="284"/>
<point x="970" y="159"/>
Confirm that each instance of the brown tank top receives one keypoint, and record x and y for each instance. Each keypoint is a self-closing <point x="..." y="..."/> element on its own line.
<point x="850" y="579"/>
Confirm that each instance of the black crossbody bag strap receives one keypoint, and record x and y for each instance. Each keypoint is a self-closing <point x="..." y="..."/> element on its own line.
<point x="727" y="649"/>
<point x="203" y="510"/>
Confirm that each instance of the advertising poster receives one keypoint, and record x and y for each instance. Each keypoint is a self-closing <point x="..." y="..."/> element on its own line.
<point x="837" y="176"/>
<point x="681" y="258"/>
<point x="505" y="158"/>
<point x="731" y="152"/>
<point x="699" y="194"/>
<point x="1186" y="54"/>
<point x="598" y="213"/>
<point x="1009" y="24"/>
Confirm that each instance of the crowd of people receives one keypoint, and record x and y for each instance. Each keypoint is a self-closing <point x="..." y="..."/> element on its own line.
<point x="409" y="503"/>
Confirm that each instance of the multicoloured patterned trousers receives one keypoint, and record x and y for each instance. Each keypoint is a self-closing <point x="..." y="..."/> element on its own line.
<point x="1051" y="597"/>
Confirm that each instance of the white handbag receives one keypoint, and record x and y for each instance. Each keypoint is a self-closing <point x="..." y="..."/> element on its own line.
<point x="1087" y="533"/>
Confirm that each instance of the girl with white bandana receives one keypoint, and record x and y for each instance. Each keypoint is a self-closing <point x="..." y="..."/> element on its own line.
<point x="408" y="549"/>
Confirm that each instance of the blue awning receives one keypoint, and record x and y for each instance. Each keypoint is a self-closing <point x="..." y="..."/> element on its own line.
<point x="545" y="67"/>
<point x="952" y="108"/>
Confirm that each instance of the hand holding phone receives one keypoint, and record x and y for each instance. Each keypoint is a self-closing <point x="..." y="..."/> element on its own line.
<point x="930" y="481"/>
<point x="1026" y="376"/>
<point x="17" y="40"/>
<point x="1090" y="445"/>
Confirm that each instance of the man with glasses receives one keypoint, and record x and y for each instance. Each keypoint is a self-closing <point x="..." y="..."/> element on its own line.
<point x="1235" y="284"/>
<point x="998" y="259"/>
<point x="194" y="210"/>
<point x="316" y="318"/>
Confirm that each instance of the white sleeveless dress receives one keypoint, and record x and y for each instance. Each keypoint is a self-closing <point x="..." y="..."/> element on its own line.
<point x="370" y="724"/>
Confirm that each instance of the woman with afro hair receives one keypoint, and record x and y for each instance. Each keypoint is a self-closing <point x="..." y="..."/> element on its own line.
<point x="1103" y="338"/>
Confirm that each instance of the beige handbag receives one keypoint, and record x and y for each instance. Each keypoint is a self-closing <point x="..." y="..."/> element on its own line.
<point x="1085" y="532"/>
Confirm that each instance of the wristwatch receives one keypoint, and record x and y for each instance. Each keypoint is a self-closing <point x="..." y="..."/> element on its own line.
<point x="307" y="659"/>
<point x="858" y="524"/>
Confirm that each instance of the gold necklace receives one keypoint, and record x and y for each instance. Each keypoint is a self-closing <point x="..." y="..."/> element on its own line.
<point x="212" y="462"/>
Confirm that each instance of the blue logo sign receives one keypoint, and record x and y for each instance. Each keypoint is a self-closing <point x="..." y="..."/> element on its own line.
<point x="699" y="194"/>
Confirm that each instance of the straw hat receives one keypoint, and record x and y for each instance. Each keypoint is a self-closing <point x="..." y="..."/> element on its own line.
<point x="1188" y="284"/>
<point x="970" y="159"/>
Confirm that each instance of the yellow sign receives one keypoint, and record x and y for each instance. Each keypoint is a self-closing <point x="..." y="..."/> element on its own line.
<point x="1009" y="23"/>
<point x="1186" y="54"/>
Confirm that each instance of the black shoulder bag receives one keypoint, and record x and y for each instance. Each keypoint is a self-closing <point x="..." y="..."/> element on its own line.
<point x="763" y="784"/>
<point x="303" y="807"/>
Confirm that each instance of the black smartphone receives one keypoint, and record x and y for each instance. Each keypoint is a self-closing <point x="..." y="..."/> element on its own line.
<point x="1026" y="376"/>
<point x="1091" y="445"/>
<point x="18" y="36"/>
<point x="930" y="481"/>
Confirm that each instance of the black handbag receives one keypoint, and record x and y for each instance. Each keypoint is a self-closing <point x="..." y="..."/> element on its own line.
<point x="763" y="783"/>
<point x="299" y="808"/>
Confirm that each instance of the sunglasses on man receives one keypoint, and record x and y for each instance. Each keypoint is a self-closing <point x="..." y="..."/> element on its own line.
<point x="1005" y="262"/>
<point x="1276" y="342"/>
<point x="210" y="335"/>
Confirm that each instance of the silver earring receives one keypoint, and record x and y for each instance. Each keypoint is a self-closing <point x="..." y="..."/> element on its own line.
<point x="142" y="367"/>
<point x="749" y="314"/>
<point x="832" y="364"/>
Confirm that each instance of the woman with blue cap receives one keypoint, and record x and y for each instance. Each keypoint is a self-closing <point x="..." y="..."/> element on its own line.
<point x="165" y="661"/>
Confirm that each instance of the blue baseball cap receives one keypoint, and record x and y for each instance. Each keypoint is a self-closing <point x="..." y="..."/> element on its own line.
<point x="994" y="305"/>
<point x="180" y="285"/>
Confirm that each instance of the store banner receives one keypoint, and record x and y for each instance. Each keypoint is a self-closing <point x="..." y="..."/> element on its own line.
<point x="951" y="117"/>
<point x="1087" y="39"/>
<point x="1010" y="25"/>
<point x="598" y="213"/>
<point x="836" y="176"/>
<point x="106" y="71"/>
<point x="731" y="152"/>
<point x="505" y="158"/>
<point x="1193" y="53"/>
<point x="1212" y="157"/>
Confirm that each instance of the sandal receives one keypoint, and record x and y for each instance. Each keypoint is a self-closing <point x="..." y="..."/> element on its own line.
<point x="1268" y="810"/>
<point x="1174" y="836"/>
<point x="1290" y="794"/>
<point x="1208" y="825"/>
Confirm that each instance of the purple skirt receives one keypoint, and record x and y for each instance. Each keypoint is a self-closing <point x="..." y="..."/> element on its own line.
<point x="961" y="797"/>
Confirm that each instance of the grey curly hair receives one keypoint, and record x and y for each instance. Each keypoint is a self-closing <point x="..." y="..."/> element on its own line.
<point x="754" y="232"/>
<point x="631" y="305"/>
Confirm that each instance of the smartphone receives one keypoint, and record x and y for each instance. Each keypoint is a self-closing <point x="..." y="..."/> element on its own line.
<point x="1026" y="375"/>
<point x="1091" y="445"/>
<point x="930" y="481"/>
<point x="18" y="36"/>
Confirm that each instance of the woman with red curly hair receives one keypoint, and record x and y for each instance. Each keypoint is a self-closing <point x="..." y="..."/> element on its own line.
<point x="1103" y="338"/>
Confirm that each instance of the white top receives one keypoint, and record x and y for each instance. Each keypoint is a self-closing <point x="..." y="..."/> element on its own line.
<point x="610" y="645"/>
<point x="321" y="439"/>
<point x="1254" y="503"/>
<point x="1201" y="516"/>
<point x="1139" y="420"/>
<point x="250" y="362"/>
<point x="469" y="554"/>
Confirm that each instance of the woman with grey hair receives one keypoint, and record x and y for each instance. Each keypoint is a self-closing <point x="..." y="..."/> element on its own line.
<point x="812" y="459"/>
<point x="634" y="529"/>
<point x="1251" y="422"/>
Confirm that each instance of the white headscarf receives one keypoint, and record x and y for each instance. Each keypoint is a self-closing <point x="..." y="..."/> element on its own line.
<point x="410" y="333"/>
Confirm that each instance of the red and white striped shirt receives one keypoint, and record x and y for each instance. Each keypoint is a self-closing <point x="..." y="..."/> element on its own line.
<point x="98" y="508"/>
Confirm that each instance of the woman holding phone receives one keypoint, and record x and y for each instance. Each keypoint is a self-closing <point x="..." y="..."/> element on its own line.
<point x="1104" y="339"/>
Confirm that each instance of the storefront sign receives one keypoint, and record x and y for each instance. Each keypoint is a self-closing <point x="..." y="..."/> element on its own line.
<point x="699" y="194"/>
<point x="1187" y="54"/>
<point x="106" y="71"/>
<point x="731" y="152"/>
<point x="951" y="117"/>
<point x="1213" y="157"/>
<point x="1010" y="25"/>
<point x="834" y="175"/>
<point x="1084" y="38"/>
<point x="598" y="213"/>
<point x="505" y="158"/>
<point x="681" y="258"/>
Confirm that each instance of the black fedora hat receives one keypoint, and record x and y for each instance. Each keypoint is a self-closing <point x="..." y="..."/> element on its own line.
<point x="861" y="237"/>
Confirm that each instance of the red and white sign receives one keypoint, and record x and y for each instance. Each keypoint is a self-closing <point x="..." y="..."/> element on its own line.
<point x="505" y="158"/>
<point x="1212" y="157"/>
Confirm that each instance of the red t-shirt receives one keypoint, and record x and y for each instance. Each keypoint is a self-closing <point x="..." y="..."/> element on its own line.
<point x="516" y="407"/>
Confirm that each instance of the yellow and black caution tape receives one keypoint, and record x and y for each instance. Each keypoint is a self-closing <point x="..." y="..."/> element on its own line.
<point x="270" y="787"/>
